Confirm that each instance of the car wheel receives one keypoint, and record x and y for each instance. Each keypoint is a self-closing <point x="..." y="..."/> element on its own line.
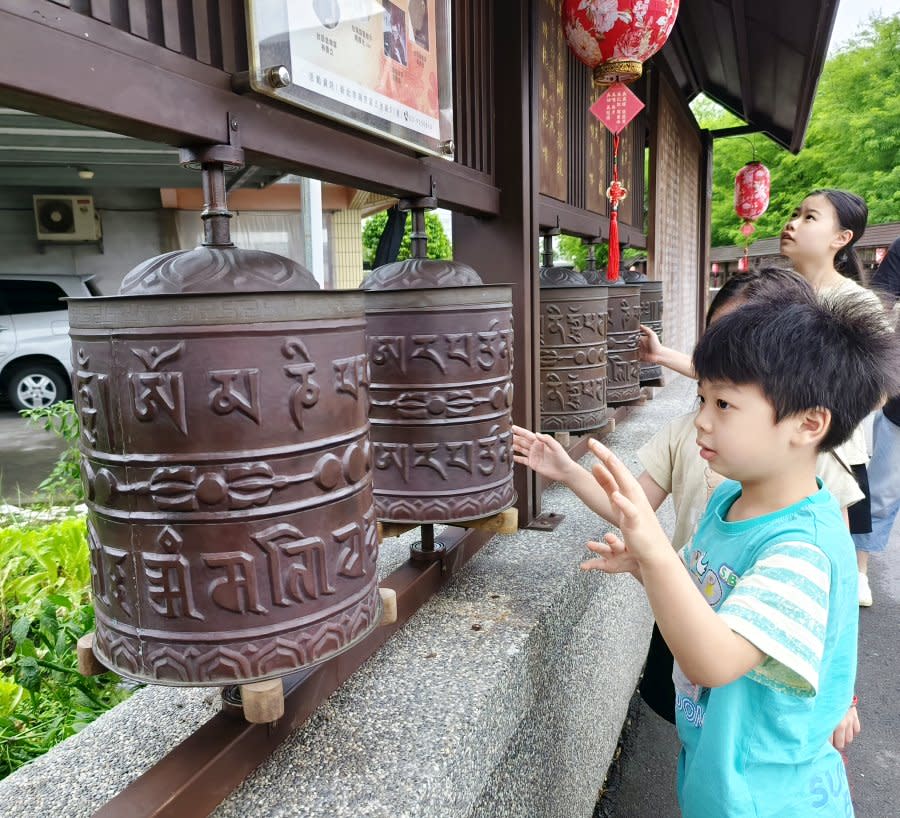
<point x="34" y="387"/>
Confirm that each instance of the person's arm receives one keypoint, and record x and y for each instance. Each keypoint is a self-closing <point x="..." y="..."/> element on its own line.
<point x="653" y="352"/>
<point x="708" y="651"/>
<point x="545" y="455"/>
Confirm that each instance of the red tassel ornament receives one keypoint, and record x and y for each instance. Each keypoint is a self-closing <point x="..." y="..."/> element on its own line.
<point x="616" y="192"/>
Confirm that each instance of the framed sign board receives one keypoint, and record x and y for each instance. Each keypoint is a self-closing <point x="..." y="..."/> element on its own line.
<point x="379" y="65"/>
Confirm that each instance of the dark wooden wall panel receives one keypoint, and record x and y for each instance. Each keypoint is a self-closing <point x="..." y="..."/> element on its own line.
<point x="596" y="172"/>
<point x="473" y="101"/>
<point x="553" y="105"/>
<point x="99" y="10"/>
<point x="575" y="150"/>
<point x="677" y="213"/>
<point x="212" y="32"/>
<point x="576" y="82"/>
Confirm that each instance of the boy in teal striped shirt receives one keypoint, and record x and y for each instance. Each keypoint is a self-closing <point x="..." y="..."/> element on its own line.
<point x="765" y="652"/>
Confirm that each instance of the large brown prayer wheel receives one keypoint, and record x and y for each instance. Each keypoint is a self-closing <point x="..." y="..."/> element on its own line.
<point x="227" y="469"/>
<point x="651" y="316"/>
<point x="623" y="334"/>
<point x="440" y="362"/>
<point x="573" y="387"/>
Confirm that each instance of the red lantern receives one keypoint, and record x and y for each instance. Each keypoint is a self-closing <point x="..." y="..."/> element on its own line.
<point x="751" y="194"/>
<point x="613" y="37"/>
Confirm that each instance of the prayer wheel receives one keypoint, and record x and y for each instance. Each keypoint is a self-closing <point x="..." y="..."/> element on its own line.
<point x="440" y="361"/>
<point x="573" y="352"/>
<point x="651" y="316"/>
<point x="624" y="365"/>
<point x="227" y="468"/>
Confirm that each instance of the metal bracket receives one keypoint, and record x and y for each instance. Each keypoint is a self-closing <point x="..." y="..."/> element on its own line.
<point x="230" y="154"/>
<point x="428" y="549"/>
<point x="547" y="521"/>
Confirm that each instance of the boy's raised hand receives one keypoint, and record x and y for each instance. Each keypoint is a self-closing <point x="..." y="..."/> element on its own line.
<point x="542" y="453"/>
<point x="649" y="346"/>
<point x="637" y="520"/>
<point x="612" y="557"/>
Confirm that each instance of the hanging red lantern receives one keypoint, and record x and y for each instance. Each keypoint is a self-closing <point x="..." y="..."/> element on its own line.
<point x="613" y="38"/>
<point x="751" y="194"/>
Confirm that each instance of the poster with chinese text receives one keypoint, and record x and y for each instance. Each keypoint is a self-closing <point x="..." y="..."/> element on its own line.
<point x="381" y="65"/>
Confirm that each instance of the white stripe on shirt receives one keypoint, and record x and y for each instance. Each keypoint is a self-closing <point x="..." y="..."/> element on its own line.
<point x="757" y="609"/>
<point x="789" y="592"/>
<point x="777" y="650"/>
<point x="798" y="566"/>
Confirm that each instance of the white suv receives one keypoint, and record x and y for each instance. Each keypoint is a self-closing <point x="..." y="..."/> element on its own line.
<point x="35" y="351"/>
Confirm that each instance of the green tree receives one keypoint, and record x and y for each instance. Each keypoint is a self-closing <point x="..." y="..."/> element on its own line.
<point x="438" y="244"/>
<point x="853" y="140"/>
<point x="575" y="251"/>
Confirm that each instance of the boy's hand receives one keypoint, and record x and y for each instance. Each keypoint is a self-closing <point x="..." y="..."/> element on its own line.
<point x="641" y="531"/>
<point x="847" y="730"/>
<point x="649" y="346"/>
<point x="614" y="557"/>
<point x="542" y="453"/>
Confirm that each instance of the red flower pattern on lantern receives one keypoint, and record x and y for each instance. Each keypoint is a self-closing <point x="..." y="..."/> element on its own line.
<point x="751" y="194"/>
<point x="613" y="37"/>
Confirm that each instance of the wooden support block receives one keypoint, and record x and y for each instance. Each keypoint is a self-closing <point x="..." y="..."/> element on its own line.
<point x="388" y="606"/>
<point x="263" y="701"/>
<point x="396" y="529"/>
<point x="379" y="532"/>
<point x="506" y="522"/>
<point x="564" y="439"/>
<point x="88" y="663"/>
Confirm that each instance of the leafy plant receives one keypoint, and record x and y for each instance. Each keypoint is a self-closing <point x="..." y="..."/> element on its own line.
<point x="64" y="480"/>
<point x="574" y="250"/>
<point x="438" y="243"/>
<point x="45" y="608"/>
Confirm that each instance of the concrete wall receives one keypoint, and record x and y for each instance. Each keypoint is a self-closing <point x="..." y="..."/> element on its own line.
<point x="503" y="697"/>
<point x="131" y="234"/>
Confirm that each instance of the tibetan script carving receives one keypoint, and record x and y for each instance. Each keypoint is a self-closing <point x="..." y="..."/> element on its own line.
<point x="156" y="392"/>
<point x="305" y="394"/>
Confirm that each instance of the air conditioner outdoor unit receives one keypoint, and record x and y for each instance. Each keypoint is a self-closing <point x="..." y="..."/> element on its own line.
<point x="66" y="218"/>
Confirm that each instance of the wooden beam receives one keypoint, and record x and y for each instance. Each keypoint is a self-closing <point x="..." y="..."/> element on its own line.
<point x="68" y="66"/>
<point x="742" y="55"/>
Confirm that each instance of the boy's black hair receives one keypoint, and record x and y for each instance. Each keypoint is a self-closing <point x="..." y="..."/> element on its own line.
<point x="804" y="355"/>
<point x="761" y="284"/>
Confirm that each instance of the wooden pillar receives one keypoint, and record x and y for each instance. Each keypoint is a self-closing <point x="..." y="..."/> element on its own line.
<point x="705" y="227"/>
<point x="503" y="249"/>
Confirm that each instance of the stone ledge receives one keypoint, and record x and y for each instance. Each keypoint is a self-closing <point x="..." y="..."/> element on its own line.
<point x="518" y="717"/>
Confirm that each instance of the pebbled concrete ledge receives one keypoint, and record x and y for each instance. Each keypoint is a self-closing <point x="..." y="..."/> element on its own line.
<point x="518" y="716"/>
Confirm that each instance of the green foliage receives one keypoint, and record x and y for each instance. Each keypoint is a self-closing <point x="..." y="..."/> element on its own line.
<point x="44" y="609"/>
<point x="438" y="244"/>
<point x="64" y="481"/>
<point x="853" y="140"/>
<point x="575" y="251"/>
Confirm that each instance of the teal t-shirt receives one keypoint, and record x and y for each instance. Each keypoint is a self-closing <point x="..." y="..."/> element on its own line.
<point x="786" y="582"/>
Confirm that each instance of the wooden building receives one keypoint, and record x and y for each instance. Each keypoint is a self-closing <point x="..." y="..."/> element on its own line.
<point x="527" y="154"/>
